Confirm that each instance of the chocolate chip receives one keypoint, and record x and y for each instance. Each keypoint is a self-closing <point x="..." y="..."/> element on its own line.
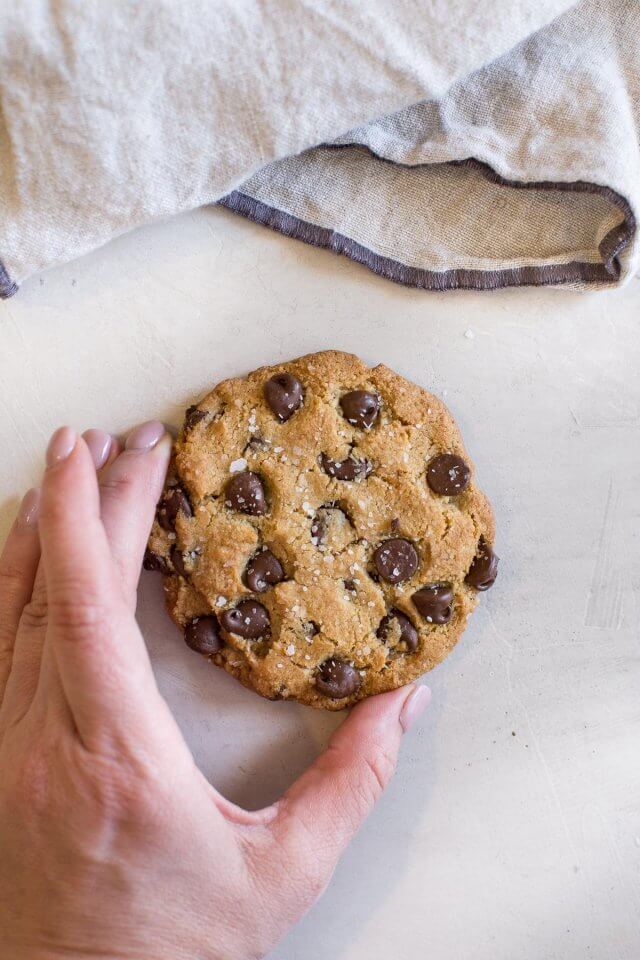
<point x="351" y="586"/>
<point x="283" y="393"/>
<point x="434" y="602"/>
<point x="153" y="561"/>
<point x="396" y="560"/>
<point x="360" y="408"/>
<point x="249" y="620"/>
<point x="245" y="492"/>
<point x="408" y="633"/>
<point x="263" y="571"/>
<point x="349" y="469"/>
<point x="337" y="679"/>
<point x="177" y="561"/>
<point x="175" y="501"/>
<point x="193" y="416"/>
<point x="257" y="444"/>
<point x="318" y="529"/>
<point x="311" y="628"/>
<point x="395" y="525"/>
<point x="203" y="635"/>
<point x="484" y="568"/>
<point x="448" y="474"/>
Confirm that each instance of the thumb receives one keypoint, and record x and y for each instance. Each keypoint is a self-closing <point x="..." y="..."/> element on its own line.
<point x="321" y="812"/>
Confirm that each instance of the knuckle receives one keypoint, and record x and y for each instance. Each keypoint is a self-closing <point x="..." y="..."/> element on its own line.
<point x="35" y="613"/>
<point x="116" y="486"/>
<point x="12" y="575"/>
<point x="127" y="478"/>
<point x="76" y="610"/>
<point x="379" y="768"/>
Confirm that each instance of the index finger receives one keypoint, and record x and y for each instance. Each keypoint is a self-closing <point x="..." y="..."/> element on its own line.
<point x="99" y="652"/>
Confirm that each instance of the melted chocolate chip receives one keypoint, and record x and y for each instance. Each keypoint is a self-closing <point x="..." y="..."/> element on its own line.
<point x="245" y="492"/>
<point x="448" y="474"/>
<point x="360" y="408"/>
<point x="337" y="679"/>
<point x="311" y="628"/>
<point x="177" y="561"/>
<point x="249" y="620"/>
<point x="434" y="602"/>
<point x="193" y="416"/>
<point x="484" y="568"/>
<point x="283" y="393"/>
<point x="396" y="560"/>
<point x="349" y="469"/>
<point x="153" y="561"/>
<point x="395" y="525"/>
<point x="175" y="501"/>
<point x="203" y="635"/>
<point x="263" y="571"/>
<point x="351" y="586"/>
<point x="408" y="633"/>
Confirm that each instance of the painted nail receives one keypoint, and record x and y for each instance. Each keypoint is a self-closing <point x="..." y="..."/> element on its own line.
<point x="99" y="444"/>
<point x="415" y="704"/>
<point x="146" y="436"/>
<point x="28" y="512"/>
<point x="60" y="446"/>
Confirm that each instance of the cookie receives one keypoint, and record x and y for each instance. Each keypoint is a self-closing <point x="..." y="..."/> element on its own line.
<point x="321" y="534"/>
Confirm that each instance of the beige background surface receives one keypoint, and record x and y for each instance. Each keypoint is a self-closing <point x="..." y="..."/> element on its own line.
<point x="512" y="829"/>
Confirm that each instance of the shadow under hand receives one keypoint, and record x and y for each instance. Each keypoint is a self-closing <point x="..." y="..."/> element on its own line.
<point x="375" y="863"/>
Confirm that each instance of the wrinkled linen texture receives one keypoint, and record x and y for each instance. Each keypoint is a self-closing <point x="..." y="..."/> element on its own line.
<point x="441" y="144"/>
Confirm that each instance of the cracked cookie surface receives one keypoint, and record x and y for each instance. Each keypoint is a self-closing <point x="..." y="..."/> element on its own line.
<point x="321" y="535"/>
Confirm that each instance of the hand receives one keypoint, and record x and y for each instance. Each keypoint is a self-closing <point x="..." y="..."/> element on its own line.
<point x="112" y="843"/>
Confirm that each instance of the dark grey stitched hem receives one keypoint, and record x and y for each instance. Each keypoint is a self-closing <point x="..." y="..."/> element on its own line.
<point x="612" y="244"/>
<point x="610" y="247"/>
<point x="460" y="279"/>
<point x="7" y="286"/>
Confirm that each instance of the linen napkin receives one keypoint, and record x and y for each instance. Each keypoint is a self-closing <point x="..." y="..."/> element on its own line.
<point x="441" y="144"/>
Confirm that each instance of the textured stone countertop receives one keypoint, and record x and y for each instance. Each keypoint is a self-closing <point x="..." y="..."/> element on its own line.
<point x="512" y="829"/>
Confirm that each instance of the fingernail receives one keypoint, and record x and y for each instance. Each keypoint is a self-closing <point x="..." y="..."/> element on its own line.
<point x="415" y="704"/>
<point x="99" y="444"/>
<point x="146" y="436"/>
<point x="60" y="446"/>
<point x="28" y="512"/>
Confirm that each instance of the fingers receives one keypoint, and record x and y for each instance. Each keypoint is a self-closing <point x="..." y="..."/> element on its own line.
<point x="18" y="565"/>
<point x="102" y="447"/>
<point x="99" y="653"/>
<point x="27" y="660"/>
<point x="323" y="810"/>
<point x="130" y="487"/>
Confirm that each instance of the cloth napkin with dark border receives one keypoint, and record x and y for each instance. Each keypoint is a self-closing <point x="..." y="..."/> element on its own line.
<point x="441" y="144"/>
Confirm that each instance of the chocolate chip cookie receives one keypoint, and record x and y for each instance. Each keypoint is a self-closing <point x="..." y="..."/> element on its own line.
<point x="321" y="534"/>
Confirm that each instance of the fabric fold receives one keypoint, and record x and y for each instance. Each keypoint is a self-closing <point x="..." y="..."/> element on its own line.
<point x="440" y="145"/>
